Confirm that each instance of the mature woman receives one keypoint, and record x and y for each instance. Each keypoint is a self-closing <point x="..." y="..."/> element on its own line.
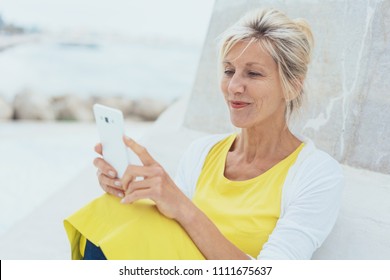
<point x="262" y="193"/>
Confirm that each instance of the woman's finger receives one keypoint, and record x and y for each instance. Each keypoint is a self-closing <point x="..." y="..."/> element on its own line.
<point x="139" y="150"/>
<point x="105" y="167"/>
<point x="144" y="171"/>
<point x="137" y="195"/>
<point x="105" y="182"/>
<point x="113" y="191"/>
<point x="127" y="178"/>
<point x="134" y="171"/>
<point x="113" y="183"/>
<point x="143" y="184"/>
<point x="99" y="149"/>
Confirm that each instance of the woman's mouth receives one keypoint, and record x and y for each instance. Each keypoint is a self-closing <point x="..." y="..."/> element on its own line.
<point x="238" y="104"/>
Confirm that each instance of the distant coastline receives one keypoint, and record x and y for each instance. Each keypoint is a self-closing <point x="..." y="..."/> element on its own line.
<point x="12" y="35"/>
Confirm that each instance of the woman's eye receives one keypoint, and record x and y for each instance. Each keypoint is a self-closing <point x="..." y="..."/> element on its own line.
<point x="255" y="74"/>
<point x="228" y="72"/>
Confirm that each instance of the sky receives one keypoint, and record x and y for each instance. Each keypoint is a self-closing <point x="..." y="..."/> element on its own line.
<point x="184" y="19"/>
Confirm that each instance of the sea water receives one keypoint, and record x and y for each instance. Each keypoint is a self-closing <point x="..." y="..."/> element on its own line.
<point x="131" y="69"/>
<point x="134" y="48"/>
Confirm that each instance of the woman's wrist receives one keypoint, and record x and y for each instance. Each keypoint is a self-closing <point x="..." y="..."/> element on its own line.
<point x="187" y="212"/>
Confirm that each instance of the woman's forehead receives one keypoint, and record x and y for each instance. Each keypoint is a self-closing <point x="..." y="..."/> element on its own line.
<point x="249" y="53"/>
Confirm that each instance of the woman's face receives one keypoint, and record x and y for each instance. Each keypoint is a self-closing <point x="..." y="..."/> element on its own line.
<point x="251" y="86"/>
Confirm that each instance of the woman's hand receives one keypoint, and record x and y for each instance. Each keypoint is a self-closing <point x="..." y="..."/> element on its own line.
<point x="170" y="201"/>
<point x="107" y="175"/>
<point x="156" y="184"/>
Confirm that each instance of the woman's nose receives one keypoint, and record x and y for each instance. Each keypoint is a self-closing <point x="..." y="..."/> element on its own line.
<point x="236" y="84"/>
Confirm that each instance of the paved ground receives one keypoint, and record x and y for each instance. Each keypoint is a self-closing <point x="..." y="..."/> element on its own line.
<point x="37" y="159"/>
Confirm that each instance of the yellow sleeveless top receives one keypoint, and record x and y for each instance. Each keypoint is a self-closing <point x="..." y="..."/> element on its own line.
<point x="244" y="211"/>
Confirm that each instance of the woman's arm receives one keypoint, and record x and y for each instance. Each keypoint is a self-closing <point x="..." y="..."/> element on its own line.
<point x="206" y="235"/>
<point x="171" y="202"/>
<point x="310" y="213"/>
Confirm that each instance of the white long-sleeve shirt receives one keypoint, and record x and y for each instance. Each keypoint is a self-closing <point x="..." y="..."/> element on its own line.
<point x="310" y="198"/>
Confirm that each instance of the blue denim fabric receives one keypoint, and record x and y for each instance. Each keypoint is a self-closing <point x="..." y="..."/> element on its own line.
<point x="93" y="252"/>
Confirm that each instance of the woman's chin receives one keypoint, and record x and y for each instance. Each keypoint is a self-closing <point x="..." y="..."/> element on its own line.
<point x="240" y="123"/>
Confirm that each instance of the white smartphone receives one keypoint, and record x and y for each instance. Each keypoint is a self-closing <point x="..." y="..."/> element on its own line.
<point x="110" y="126"/>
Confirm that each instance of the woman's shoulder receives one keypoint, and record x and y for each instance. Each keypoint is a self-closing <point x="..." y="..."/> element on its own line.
<point x="208" y="140"/>
<point x="201" y="146"/>
<point x="312" y="155"/>
<point x="192" y="161"/>
<point x="315" y="164"/>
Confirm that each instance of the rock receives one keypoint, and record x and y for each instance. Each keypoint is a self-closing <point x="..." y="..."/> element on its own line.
<point x="72" y="108"/>
<point x="29" y="105"/>
<point x="124" y="104"/>
<point x="149" y="109"/>
<point x="6" y="110"/>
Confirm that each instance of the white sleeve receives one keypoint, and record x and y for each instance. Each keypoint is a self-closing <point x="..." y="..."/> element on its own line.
<point x="183" y="173"/>
<point x="192" y="161"/>
<point x="309" y="215"/>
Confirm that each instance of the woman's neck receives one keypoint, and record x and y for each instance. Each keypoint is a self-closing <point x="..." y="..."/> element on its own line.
<point x="266" y="141"/>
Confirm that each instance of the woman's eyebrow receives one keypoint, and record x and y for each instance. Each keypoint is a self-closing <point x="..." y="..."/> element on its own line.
<point x="255" y="63"/>
<point x="247" y="64"/>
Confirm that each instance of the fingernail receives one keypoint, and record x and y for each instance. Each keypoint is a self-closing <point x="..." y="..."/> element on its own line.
<point x="118" y="183"/>
<point x="120" y="195"/>
<point x="123" y="200"/>
<point x="111" y="173"/>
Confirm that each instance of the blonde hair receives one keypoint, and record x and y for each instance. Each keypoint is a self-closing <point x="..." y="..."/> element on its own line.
<point x="289" y="42"/>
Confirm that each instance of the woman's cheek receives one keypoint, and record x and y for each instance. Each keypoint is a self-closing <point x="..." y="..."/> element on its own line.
<point x="223" y="86"/>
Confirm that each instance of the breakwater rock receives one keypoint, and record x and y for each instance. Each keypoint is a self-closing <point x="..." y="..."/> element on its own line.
<point x="30" y="105"/>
